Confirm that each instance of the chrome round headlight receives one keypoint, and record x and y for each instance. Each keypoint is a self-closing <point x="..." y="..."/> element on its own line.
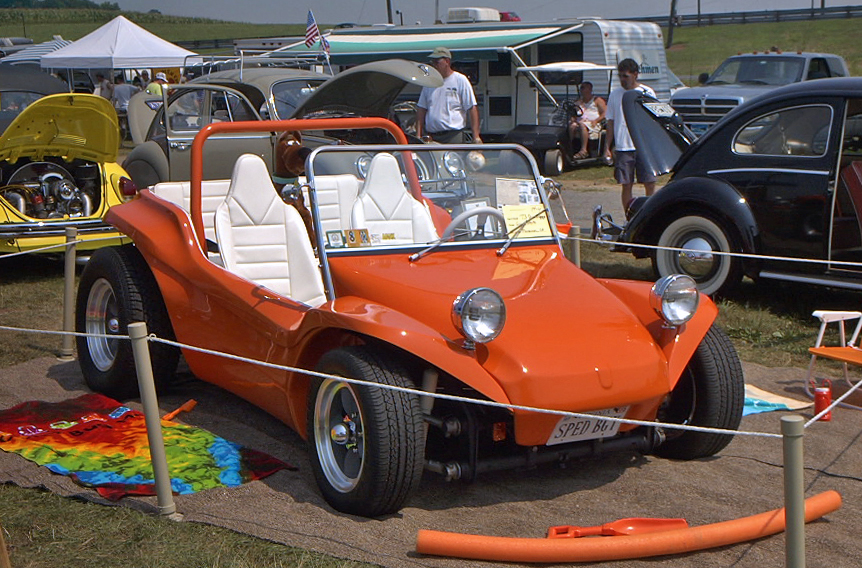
<point x="479" y="314"/>
<point x="675" y="298"/>
<point x="453" y="164"/>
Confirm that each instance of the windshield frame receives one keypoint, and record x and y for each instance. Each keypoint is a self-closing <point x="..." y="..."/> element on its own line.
<point x="495" y="242"/>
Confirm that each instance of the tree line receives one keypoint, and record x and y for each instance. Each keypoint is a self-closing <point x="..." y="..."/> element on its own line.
<point x="36" y="4"/>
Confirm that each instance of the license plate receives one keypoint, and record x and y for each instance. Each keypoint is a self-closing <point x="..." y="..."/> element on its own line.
<point x="573" y="429"/>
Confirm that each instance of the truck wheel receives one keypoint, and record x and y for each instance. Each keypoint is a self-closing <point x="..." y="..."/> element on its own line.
<point x="714" y="273"/>
<point x="553" y="162"/>
<point x="710" y="394"/>
<point x="367" y="444"/>
<point x="117" y="288"/>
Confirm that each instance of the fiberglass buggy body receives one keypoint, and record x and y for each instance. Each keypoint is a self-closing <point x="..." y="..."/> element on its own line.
<point x="473" y="299"/>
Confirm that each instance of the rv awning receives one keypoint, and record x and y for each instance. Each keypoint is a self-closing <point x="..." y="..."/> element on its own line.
<point x="369" y="45"/>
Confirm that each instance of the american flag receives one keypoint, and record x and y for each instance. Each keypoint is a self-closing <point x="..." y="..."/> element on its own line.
<point x="325" y="43"/>
<point x="311" y="30"/>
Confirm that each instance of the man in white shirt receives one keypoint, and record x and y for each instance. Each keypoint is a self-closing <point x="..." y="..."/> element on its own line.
<point x="442" y="111"/>
<point x="626" y="164"/>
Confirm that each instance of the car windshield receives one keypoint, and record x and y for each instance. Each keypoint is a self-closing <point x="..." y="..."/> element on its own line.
<point x="288" y="95"/>
<point x="766" y="70"/>
<point x="425" y="195"/>
<point x="13" y="102"/>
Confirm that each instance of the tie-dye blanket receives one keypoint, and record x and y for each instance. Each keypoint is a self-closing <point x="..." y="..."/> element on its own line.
<point x="101" y="443"/>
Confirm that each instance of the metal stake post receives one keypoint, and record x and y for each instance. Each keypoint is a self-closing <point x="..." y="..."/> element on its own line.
<point x="144" y="369"/>
<point x="792" y="428"/>
<point x="67" y="350"/>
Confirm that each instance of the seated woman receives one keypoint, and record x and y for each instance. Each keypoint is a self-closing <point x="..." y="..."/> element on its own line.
<point x="590" y="122"/>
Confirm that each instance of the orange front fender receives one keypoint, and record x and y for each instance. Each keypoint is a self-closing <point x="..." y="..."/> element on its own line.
<point x="677" y="344"/>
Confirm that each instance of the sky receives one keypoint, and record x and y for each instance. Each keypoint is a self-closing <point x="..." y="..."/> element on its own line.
<point x="412" y="11"/>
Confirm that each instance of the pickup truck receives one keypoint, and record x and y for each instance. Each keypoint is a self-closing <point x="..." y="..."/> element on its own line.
<point x="745" y="76"/>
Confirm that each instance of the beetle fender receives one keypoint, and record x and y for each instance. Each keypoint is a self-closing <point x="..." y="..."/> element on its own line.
<point x="147" y="165"/>
<point x="677" y="343"/>
<point x="696" y="194"/>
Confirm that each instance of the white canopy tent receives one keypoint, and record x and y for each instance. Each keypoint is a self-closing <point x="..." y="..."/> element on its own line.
<point x="119" y="44"/>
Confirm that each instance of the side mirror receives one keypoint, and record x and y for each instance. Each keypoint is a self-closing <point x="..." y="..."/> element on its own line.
<point x="701" y="79"/>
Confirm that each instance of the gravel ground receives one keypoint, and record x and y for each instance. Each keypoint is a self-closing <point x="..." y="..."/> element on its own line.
<point x="744" y="479"/>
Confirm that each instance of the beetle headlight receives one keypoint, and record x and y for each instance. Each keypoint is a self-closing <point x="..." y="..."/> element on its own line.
<point x="453" y="164"/>
<point x="675" y="298"/>
<point x="479" y="314"/>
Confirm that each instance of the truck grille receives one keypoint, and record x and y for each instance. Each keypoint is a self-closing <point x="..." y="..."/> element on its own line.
<point x="706" y="110"/>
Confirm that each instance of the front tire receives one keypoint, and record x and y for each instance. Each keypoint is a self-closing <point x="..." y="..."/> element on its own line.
<point x="117" y="288"/>
<point x="553" y="162"/>
<point x="713" y="273"/>
<point x="367" y="444"/>
<point x="710" y="394"/>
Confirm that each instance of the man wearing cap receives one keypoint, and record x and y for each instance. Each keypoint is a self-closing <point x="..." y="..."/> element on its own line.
<point x="442" y="111"/>
<point x="155" y="88"/>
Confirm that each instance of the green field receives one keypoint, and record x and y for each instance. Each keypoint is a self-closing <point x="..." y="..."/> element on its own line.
<point x="695" y="50"/>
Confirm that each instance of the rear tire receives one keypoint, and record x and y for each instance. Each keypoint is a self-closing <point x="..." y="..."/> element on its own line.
<point x="553" y="162"/>
<point x="117" y="288"/>
<point x="367" y="445"/>
<point x="711" y="394"/>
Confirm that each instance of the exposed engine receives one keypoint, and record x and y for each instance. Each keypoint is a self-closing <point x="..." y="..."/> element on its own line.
<point x="46" y="190"/>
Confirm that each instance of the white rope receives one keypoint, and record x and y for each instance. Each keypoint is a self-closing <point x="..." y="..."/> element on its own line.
<point x="459" y="398"/>
<point x="63" y="245"/>
<point x="720" y="253"/>
<point x="416" y="392"/>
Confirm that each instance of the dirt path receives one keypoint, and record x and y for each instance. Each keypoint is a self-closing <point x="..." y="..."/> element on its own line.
<point x="744" y="479"/>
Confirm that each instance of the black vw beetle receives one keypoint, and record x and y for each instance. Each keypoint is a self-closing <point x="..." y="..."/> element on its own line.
<point x="780" y="177"/>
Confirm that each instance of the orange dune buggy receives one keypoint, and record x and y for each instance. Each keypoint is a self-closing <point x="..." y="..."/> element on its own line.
<point x="429" y="267"/>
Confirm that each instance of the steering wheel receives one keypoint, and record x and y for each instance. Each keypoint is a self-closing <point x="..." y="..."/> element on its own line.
<point x="499" y="230"/>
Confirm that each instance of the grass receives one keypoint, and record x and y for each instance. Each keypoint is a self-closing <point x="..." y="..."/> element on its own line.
<point x="44" y="530"/>
<point x="700" y="50"/>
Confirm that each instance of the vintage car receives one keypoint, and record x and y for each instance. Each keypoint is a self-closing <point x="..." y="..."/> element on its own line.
<point x="479" y="305"/>
<point x="58" y="169"/>
<point x="261" y="94"/>
<point x="779" y="178"/>
<point x="21" y="85"/>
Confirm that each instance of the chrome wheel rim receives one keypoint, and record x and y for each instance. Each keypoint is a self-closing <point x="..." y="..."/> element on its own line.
<point x="698" y="261"/>
<point x="338" y="435"/>
<point x="102" y="319"/>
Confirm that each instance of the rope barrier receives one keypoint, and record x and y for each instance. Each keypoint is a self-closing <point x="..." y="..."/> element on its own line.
<point x="63" y="245"/>
<point x="719" y="253"/>
<point x="417" y="392"/>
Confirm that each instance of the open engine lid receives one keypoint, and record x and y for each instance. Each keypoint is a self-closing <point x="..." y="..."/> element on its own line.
<point x="68" y="125"/>
<point x="657" y="131"/>
<point x="369" y="89"/>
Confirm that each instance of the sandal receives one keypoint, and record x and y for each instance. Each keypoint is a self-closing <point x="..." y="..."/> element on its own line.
<point x="581" y="155"/>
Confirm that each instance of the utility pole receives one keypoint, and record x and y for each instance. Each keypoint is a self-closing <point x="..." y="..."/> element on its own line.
<point x="437" y="12"/>
<point x="670" y="22"/>
<point x="389" y="10"/>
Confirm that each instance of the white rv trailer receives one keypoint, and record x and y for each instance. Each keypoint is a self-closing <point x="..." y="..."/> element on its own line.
<point x="489" y="53"/>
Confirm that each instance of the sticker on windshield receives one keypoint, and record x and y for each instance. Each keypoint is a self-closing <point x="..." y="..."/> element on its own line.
<point x="660" y="110"/>
<point x="534" y="218"/>
<point x="516" y="191"/>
